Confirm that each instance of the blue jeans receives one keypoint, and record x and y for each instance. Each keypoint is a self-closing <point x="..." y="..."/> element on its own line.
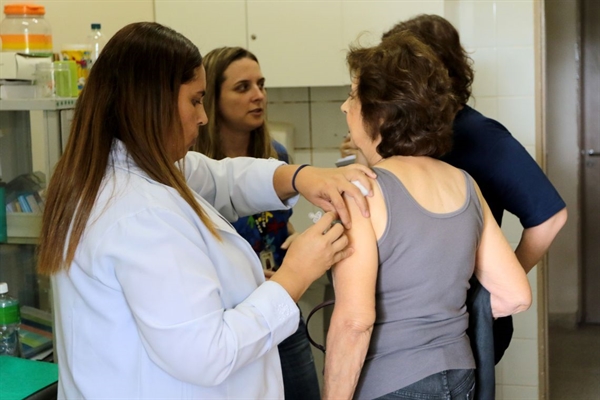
<point x="453" y="384"/>
<point x="299" y="373"/>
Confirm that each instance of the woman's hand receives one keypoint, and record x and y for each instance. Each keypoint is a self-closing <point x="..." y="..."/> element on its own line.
<point x="285" y="245"/>
<point x="291" y="237"/>
<point x="311" y="254"/>
<point x="324" y="188"/>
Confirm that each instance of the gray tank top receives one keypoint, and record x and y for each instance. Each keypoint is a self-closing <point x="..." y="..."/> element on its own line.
<point x="425" y="262"/>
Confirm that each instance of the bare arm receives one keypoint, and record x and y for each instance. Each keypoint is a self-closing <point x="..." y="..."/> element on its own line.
<point x="536" y="240"/>
<point x="354" y="312"/>
<point x="499" y="270"/>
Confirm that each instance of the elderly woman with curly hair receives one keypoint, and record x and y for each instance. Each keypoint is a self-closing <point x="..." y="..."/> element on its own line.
<point x="398" y="329"/>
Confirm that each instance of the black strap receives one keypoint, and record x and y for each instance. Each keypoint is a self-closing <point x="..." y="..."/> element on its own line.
<point x="317" y="308"/>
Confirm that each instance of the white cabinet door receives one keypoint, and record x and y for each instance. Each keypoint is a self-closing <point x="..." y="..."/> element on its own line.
<point x="207" y="23"/>
<point x="298" y="42"/>
<point x="365" y="21"/>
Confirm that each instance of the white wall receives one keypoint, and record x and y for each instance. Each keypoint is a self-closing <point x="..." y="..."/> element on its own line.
<point x="70" y="20"/>
<point x="500" y="36"/>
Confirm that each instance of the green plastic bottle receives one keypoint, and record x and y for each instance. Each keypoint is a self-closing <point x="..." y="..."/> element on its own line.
<point x="10" y="323"/>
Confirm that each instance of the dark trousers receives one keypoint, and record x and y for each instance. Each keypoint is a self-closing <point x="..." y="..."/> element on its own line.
<point x="300" y="380"/>
<point x="453" y="384"/>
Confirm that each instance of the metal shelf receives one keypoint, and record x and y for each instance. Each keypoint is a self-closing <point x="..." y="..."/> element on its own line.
<point x="37" y="104"/>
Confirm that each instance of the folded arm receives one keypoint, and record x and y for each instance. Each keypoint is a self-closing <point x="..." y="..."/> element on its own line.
<point x="499" y="270"/>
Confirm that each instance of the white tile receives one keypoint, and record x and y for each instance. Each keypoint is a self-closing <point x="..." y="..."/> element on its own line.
<point x="517" y="114"/>
<point x="515" y="71"/>
<point x="483" y="24"/>
<point x="328" y="125"/>
<point x="278" y="95"/>
<point x="296" y="114"/>
<point x="488" y="106"/>
<point x="300" y="218"/>
<point x="511" y="392"/>
<point x="498" y="374"/>
<point x="461" y="14"/>
<point x="329" y="93"/>
<point x="526" y="323"/>
<point x="486" y="70"/>
<point x="521" y="363"/>
<point x="515" y="23"/>
<point x="303" y="156"/>
<point x="325" y="158"/>
<point x="512" y="228"/>
<point x="499" y="391"/>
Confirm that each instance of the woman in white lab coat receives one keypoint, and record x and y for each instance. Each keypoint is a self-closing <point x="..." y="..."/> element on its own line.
<point x="236" y="104"/>
<point x="155" y="294"/>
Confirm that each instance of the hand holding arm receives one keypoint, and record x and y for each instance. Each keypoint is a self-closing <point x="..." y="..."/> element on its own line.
<point x="536" y="240"/>
<point x="324" y="186"/>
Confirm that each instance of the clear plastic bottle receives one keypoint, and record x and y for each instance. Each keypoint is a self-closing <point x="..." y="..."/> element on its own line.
<point x="10" y="322"/>
<point x="25" y="30"/>
<point x="96" y="42"/>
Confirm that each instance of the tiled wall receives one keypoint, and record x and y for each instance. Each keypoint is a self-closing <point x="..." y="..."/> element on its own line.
<point x="500" y="36"/>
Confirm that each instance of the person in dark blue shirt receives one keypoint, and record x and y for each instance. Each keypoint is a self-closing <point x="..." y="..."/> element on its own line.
<point x="236" y="103"/>
<point x="508" y="176"/>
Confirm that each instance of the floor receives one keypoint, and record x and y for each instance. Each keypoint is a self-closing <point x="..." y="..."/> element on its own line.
<point x="574" y="362"/>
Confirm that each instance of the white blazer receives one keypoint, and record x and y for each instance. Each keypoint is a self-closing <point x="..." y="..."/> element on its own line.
<point x="154" y="306"/>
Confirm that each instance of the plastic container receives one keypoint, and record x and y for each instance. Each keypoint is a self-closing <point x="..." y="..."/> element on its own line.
<point x="53" y="80"/>
<point x="10" y="323"/>
<point x="96" y="43"/>
<point x="25" y="30"/>
<point x="72" y="65"/>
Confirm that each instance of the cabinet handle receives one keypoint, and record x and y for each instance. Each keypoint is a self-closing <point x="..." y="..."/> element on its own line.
<point x="253" y="37"/>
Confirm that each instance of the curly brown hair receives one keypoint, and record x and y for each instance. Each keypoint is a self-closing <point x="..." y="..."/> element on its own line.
<point x="439" y="34"/>
<point x="405" y="96"/>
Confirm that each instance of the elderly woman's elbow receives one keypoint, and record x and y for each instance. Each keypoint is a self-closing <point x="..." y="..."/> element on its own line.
<point x="515" y="304"/>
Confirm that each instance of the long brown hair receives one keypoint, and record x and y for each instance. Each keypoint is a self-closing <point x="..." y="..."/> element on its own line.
<point x="209" y="139"/>
<point x="439" y="34"/>
<point x="131" y="95"/>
